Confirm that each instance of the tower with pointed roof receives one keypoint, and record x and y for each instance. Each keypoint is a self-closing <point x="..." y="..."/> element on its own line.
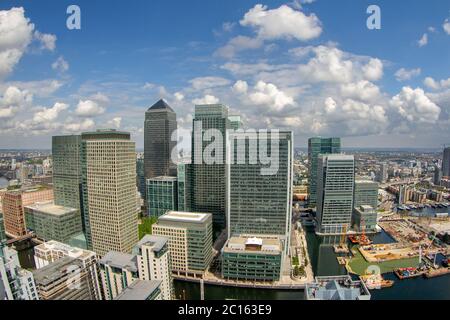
<point x="160" y="123"/>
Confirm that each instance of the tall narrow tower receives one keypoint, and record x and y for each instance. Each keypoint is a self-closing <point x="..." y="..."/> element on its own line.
<point x="160" y="123"/>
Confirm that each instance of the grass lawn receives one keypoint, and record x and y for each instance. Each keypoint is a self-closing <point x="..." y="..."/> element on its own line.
<point x="359" y="265"/>
<point x="146" y="226"/>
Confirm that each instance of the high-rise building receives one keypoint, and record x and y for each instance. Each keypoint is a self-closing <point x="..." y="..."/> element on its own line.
<point x="162" y="195"/>
<point x="52" y="222"/>
<point x="206" y="188"/>
<point x="181" y="188"/>
<point x="446" y="162"/>
<point x="235" y="122"/>
<point x="258" y="202"/>
<point x="335" y="186"/>
<point x="14" y="202"/>
<point x="382" y="174"/>
<point x="160" y="124"/>
<point x="109" y="191"/>
<point x="317" y="146"/>
<point x="2" y="229"/>
<point x="366" y="193"/>
<point x="190" y="241"/>
<point x="437" y="175"/>
<point x="154" y="263"/>
<point x="140" y="177"/>
<point x="365" y="218"/>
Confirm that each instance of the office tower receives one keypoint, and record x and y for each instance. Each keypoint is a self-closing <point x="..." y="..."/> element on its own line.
<point x="366" y="193"/>
<point x="160" y="124"/>
<point x="317" y="146"/>
<point x="206" y="182"/>
<point x="190" y="241"/>
<point x="2" y="229"/>
<point x="142" y="290"/>
<point x="52" y="222"/>
<point x="14" y="202"/>
<point x="365" y="218"/>
<point x="65" y="279"/>
<point x="235" y="122"/>
<point x="258" y="202"/>
<point x="446" y="163"/>
<point x="162" y="195"/>
<point x="437" y="175"/>
<point x="51" y="251"/>
<point x="140" y="176"/>
<point x="181" y="188"/>
<point x="15" y="283"/>
<point x="109" y="191"/>
<point x="252" y="259"/>
<point x="335" y="185"/>
<point x="154" y="263"/>
<point x="117" y="271"/>
<point x="382" y="175"/>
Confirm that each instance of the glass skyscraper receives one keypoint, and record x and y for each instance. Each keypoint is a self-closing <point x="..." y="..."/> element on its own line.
<point x="162" y="195"/>
<point x="446" y="163"/>
<point x="160" y="123"/>
<point x="181" y="181"/>
<point x="316" y="146"/>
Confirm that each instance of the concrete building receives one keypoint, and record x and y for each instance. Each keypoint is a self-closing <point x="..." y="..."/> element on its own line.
<point x="160" y="124"/>
<point x="190" y="241"/>
<point x="154" y="263"/>
<point x="14" y="202"/>
<point x="446" y="163"/>
<point x="335" y="186"/>
<point x="206" y="182"/>
<point x="51" y="251"/>
<point x="65" y="279"/>
<point x="259" y="202"/>
<point x="162" y="195"/>
<point x="382" y="174"/>
<point x="365" y="218"/>
<point x="317" y="146"/>
<point x="252" y="259"/>
<point x="117" y="271"/>
<point x="109" y="191"/>
<point x="142" y="290"/>
<point x="366" y="193"/>
<point x="52" y="222"/>
<point x="336" y="288"/>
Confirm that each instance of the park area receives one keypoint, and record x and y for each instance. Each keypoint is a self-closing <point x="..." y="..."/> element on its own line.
<point x="145" y="227"/>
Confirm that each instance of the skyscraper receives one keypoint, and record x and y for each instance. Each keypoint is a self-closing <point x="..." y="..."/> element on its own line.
<point x="446" y="163"/>
<point x="109" y="191"/>
<point x="160" y="123"/>
<point x="162" y="195"/>
<point x="206" y="182"/>
<point x="257" y="203"/>
<point x="316" y="146"/>
<point x="335" y="185"/>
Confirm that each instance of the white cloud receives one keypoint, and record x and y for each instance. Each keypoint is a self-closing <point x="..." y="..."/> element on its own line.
<point x="83" y="125"/>
<point x="403" y="74"/>
<point x="115" y="122"/>
<point x="48" y="41"/>
<point x="436" y="84"/>
<point x="414" y="106"/>
<point x="202" y="83"/>
<point x="240" y="86"/>
<point x="362" y="90"/>
<point x="446" y="26"/>
<point x="60" y="65"/>
<point x="237" y="44"/>
<point x="423" y="41"/>
<point x="13" y="100"/>
<point x="49" y="114"/>
<point x="207" y="99"/>
<point x="88" y="108"/>
<point x="179" y="96"/>
<point x="16" y="33"/>
<point x="282" y="23"/>
<point x="373" y="70"/>
<point x="267" y="94"/>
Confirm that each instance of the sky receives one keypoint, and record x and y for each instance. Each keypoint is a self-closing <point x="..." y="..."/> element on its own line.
<point x="310" y="66"/>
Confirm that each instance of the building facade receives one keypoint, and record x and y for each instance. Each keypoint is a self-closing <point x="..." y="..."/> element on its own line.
<point x="317" y="146"/>
<point x="162" y="195"/>
<point x="160" y="124"/>
<point x="181" y="187"/>
<point x="335" y="187"/>
<point x="366" y="193"/>
<point x="365" y="218"/>
<point x="446" y="163"/>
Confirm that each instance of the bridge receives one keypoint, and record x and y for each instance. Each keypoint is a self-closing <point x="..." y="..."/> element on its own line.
<point x="28" y="236"/>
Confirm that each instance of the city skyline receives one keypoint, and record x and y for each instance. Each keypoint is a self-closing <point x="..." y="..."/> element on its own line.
<point x="324" y="79"/>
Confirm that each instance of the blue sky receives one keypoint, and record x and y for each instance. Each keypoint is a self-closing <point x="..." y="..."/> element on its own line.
<point x="313" y="68"/>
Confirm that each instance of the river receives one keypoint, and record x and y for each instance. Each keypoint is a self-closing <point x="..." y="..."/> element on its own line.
<point x="3" y="182"/>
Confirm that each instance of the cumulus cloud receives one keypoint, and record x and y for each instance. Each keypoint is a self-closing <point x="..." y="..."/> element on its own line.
<point x="13" y="100"/>
<point x="363" y="90"/>
<point x="240" y="86"/>
<point x="237" y="44"/>
<point x="60" y="65"/>
<point x="267" y="94"/>
<point x="79" y="126"/>
<point x="202" y="83"/>
<point x="179" y="96"/>
<point x="48" y="41"/>
<point x="436" y="84"/>
<point x="423" y="41"/>
<point x="88" y="108"/>
<point x="403" y="74"/>
<point x="414" y="106"/>
<point x="207" y="99"/>
<point x="49" y="114"/>
<point x="282" y="23"/>
<point x="115" y="122"/>
<point x="373" y="70"/>
<point x="446" y="26"/>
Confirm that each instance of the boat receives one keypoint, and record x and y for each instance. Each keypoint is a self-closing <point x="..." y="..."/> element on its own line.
<point x="376" y="281"/>
<point x="361" y="240"/>
<point x="408" y="273"/>
<point x="437" y="272"/>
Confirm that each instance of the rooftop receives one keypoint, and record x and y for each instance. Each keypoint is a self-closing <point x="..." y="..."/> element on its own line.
<point x="55" y="270"/>
<point x="139" y="290"/>
<point x="156" y="242"/>
<point x="49" y="207"/>
<point x="163" y="178"/>
<point x="160" y="105"/>
<point x="179" y="216"/>
<point x="337" y="288"/>
<point x="120" y="260"/>
<point x="264" y="244"/>
<point x="70" y="251"/>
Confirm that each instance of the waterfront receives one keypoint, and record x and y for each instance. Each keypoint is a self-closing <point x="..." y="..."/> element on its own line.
<point x="3" y="182"/>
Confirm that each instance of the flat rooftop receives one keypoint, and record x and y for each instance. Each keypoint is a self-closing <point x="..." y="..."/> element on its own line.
<point x="266" y="244"/>
<point x="55" y="270"/>
<point x="120" y="260"/>
<point x="156" y="242"/>
<point x="70" y="251"/>
<point x="178" y="216"/>
<point x="139" y="290"/>
<point x="49" y="207"/>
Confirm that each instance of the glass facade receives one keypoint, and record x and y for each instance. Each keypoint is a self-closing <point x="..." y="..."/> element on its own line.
<point x="140" y="176"/>
<point x="181" y="180"/>
<point x="251" y="266"/>
<point x="316" y="146"/>
<point x="161" y="195"/>
<point x="366" y="193"/>
<point x="2" y="230"/>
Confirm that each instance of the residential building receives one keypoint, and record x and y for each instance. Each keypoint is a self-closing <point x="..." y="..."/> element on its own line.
<point x="154" y="263"/>
<point x="335" y="187"/>
<point x="365" y="218"/>
<point x="52" y="222"/>
<point x="190" y="241"/>
<point x="109" y="191"/>
<point x="366" y="193"/>
<point x="142" y="290"/>
<point x="14" y="202"/>
<point x="162" y="195"/>
<point x="252" y="259"/>
<point x="260" y="202"/>
<point x="159" y="127"/>
<point x="317" y="146"/>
